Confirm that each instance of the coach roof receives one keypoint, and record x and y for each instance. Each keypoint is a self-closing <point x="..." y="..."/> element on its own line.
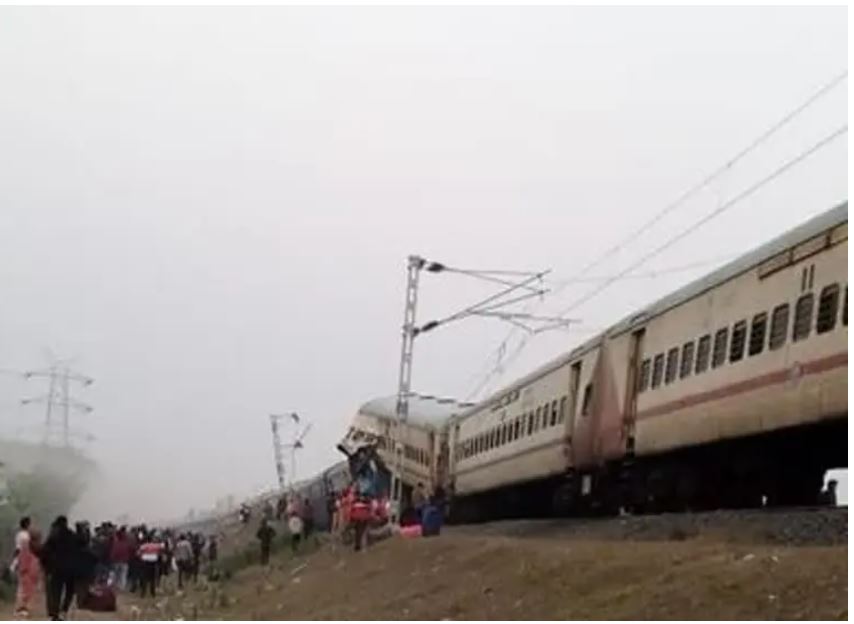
<point x="424" y="410"/>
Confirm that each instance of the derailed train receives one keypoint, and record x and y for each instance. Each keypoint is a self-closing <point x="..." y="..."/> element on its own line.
<point x="729" y="392"/>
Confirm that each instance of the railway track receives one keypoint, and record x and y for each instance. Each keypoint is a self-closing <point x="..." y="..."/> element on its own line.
<point x="794" y="526"/>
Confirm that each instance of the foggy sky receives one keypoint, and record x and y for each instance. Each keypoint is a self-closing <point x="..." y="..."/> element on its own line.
<point x="210" y="208"/>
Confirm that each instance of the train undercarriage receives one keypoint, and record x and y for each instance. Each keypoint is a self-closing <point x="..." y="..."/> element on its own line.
<point x="780" y="469"/>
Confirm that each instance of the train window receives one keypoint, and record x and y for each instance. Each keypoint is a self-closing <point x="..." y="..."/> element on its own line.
<point x="739" y="338"/>
<point x="554" y="414"/>
<point x="779" y="327"/>
<point x="643" y="378"/>
<point x="587" y="400"/>
<point x="657" y="370"/>
<point x="757" y="333"/>
<point x="803" y="317"/>
<point x="687" y="359"/>
<point x="719" y="350"/>
<point x="516" y="430"/>
<point x="845" y="308"/>
<point x="828" y="306"/>
<point x="530" y="419"/>
<point x="545" y="422"/>
<point x="537" y="417"/>
<point x="562" y="413"/>
<point x="672" y="365"/>
<point x="704" y="347"/>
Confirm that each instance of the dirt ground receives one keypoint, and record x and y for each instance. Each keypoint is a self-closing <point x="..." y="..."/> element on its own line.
<point x="508" y="573"/>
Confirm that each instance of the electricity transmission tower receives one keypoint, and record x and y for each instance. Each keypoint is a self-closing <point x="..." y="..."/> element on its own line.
<point x="58" y="402"/>
<point x="295" y="444"/>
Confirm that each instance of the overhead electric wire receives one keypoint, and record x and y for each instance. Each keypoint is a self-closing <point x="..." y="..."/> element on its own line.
<point x="693" y="190"/>
<point x="714" y="213"/>
<point x="651" y="273"/>
<point x="824" y="141"/>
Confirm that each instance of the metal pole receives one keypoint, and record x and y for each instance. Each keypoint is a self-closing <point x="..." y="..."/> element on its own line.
<point x="49" y="409"/>
<point x="277" y="451"/>
<point x="414" y="266"/>
<point x="65" y="403"/>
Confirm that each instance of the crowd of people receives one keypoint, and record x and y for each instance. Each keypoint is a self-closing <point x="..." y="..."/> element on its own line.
<point x="86" y="567"/>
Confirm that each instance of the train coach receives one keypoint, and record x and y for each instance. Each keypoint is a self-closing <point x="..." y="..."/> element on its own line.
<point x="731" y="391"/>
<point x="422" y="441"/>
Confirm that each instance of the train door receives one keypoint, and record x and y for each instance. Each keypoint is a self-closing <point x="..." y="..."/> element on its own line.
<point x="632" y="376"/>
<point x="574" y="381"/>
<point x="453" y="449"/>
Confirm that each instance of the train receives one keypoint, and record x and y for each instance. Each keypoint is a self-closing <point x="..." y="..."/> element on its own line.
<point x="728" y="392"/>
<point x="731" y="391"/>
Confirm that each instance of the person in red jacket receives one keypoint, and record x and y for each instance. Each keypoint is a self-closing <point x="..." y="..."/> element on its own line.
<point x="149" y="556"/>
<point x="120" y="555"/>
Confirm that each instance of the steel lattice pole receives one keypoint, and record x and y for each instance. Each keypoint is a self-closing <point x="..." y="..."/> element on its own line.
<point x="414" y="266"/>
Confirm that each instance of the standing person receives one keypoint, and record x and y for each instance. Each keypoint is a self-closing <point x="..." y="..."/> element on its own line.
<point x="149" y="557"/>
<point x="120" y="555"/>
<point x="167" y="551"/>
<point x="85" y="562"/>
<point x="265" y="535"/>
<point x="213" y="549"/>
<point x="332" y="511"/>
<point x="27" y="565"/>
<point x="101" y="547"/>
<point x="307" y="518"/>
<point x="419" y="499"/>
<point x="183" y="559"/>
<point x="135" y="565"/>
<point x="213" y="554"/>
<point x="197" y="541"/>
<point x="59" y="558"/>
<point x="295" y="522"/>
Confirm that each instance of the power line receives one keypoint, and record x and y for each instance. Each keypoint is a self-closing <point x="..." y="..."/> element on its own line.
<point x="693" y="190"/>
<point x="689" y="230"/>
<point x="714" y="213"/>
<point x="650" y="274"/>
